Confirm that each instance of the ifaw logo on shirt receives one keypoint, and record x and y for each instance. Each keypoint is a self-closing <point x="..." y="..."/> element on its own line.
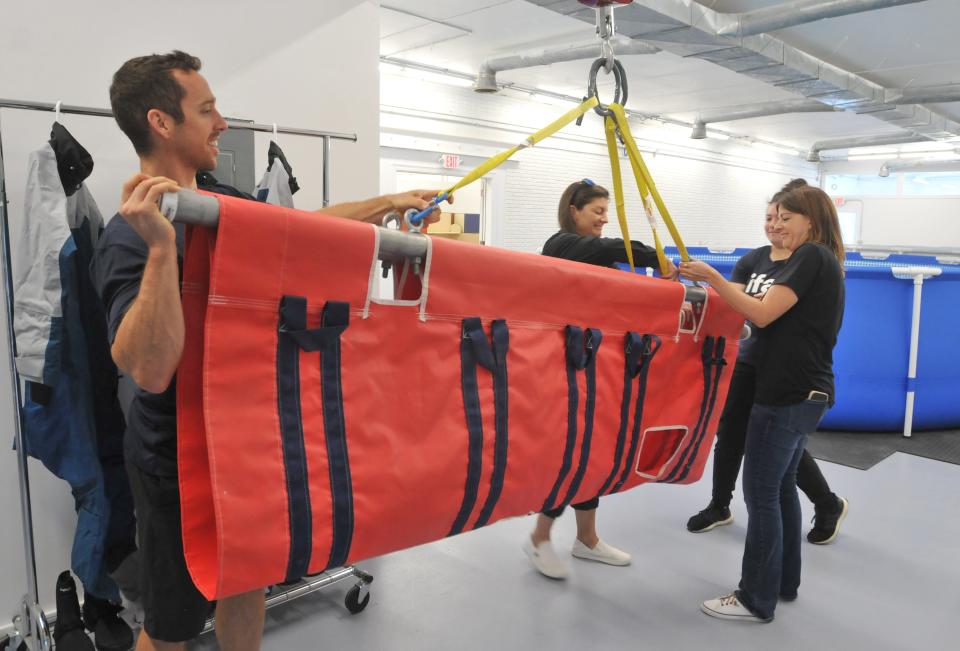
<point x="758" y="285"/>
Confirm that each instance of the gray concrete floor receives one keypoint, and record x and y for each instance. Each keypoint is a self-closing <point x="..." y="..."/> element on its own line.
<point x="890" y="581"/>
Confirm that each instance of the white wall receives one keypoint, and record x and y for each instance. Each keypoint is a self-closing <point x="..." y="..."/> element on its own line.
<point x="716" y="191"/>
<point x="928" y="221"/>
<point x="311" y="65"/>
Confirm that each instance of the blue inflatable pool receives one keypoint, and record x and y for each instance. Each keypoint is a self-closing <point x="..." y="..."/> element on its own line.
<point x="872" y="354"/>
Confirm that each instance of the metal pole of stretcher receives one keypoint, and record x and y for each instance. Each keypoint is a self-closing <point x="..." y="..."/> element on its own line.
<point x="189" y="207"/>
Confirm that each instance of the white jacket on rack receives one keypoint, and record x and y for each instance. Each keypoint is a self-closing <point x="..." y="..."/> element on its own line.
<point x="42" y="248"/>
<point x="278" y="185"/>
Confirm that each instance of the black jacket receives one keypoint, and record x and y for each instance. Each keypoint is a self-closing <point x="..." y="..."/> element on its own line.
<point x="601" y="251"/>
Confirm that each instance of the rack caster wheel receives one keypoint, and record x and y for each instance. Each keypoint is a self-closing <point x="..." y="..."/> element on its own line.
<point x="357" y="598"/>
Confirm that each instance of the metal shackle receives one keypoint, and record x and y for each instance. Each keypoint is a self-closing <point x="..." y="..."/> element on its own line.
<point x="619" y="76"/>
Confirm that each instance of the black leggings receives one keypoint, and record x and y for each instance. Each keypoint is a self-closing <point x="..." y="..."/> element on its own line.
<point x="732" y="435"/>
<point x="589" y="505"/>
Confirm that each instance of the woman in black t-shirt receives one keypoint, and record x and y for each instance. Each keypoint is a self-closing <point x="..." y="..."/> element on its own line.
<point x="800" y="316"/>
<point x="582" y="214"/>
<point x="755" y="272"/>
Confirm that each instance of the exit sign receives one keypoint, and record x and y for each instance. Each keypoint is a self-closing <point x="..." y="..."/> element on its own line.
<point x="450" y="161"/>
<point x="839" y="201"/>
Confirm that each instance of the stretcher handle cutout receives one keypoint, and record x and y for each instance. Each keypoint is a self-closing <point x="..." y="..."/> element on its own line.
<point x="659" y="446"/>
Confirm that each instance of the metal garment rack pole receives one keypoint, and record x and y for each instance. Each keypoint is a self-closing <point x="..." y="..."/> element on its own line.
<point x="31" y="624"/>
<point x="327" y="136"/>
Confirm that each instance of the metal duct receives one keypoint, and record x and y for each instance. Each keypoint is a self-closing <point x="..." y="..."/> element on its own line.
<point x="799" y="12"/>
<point x="761" y="109"/>
<point x="920" y="166"/>
<point x="689" y="29"/>
<point x="487" y="77"/>
<point x="922" y="94"/>
<point x="865" y="141"/>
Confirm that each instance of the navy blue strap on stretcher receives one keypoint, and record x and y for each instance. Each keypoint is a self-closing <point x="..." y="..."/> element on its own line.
<point x="712" y="357"/>
<point x="292" y="336"/>
<point x="476" y="350"/>
<point x="639" y="352"/>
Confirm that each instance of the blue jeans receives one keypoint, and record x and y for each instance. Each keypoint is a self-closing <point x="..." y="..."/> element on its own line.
<point x="776" y="437"/>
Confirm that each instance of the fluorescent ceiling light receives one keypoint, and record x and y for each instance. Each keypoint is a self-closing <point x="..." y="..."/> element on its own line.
<point x="543" y="98"/>
<point x="675" y="128"/>
<point x="927" y="146"/>
<point x="390" y="68"/>
<point x="440" y="78"/>
<point x="779" y="149"/>
<point x="717" y="135"/>
<point x="885" y="151"/>
<point x="871" y="157"/>
<point x="930" y="155"/>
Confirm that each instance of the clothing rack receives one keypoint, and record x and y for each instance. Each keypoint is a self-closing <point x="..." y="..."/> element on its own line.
<point x="31" y="624"/>
<point x="233" y="123"/>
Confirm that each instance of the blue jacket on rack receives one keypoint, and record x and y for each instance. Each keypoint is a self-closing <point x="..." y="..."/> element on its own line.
<point x="72" y="418"/>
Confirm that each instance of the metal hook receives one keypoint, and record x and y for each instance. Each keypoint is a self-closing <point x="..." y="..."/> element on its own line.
<point x="56" y="111"/>
<point x="606" y="28"/>
<point x="275" y="138"/>
<point x="606" y="52"/>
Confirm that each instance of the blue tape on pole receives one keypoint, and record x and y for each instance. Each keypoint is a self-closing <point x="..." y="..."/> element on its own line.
<point x="911" y="384"/>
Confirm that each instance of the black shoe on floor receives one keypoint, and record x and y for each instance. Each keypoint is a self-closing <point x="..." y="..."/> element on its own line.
<point x="68" y="633"/>
<point x="710" y="518"/>
<point x="826" y="524"/>
<point x="110" y="632"/>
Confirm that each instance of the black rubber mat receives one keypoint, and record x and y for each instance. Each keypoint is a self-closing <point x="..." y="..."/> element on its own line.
<point x="863" y="450"/>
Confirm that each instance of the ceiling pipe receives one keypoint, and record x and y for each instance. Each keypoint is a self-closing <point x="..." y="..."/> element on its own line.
<point x="922" y="94"/>
<point x="920" y="166"/>
<point x="865" y="141"/>
<point x="761" y="109"/>
<point x="799" y="12"/>
<point x="487" y="77"/>
<point x="688" y="28"/>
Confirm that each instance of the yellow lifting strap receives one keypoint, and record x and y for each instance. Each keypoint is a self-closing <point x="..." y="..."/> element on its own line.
<point x="616" y="122"/>
<point x="542" y="134"/>
<point x="646" y="186"/>
<point x="611" y="130"/>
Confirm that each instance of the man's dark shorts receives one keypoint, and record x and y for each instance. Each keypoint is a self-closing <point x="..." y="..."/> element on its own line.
<point x="174" y="609"/>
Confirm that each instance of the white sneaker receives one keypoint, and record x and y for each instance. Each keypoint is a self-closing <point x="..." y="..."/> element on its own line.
<point x="545" y="559"/>
<point x="728" y="607"/>
<point x="602" y="553"/>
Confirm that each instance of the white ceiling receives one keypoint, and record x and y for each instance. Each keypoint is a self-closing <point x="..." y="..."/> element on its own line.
<point x="910" y="45"/>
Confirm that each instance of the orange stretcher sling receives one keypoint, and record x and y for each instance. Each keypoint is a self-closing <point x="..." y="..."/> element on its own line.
<point x="318" y="426"/>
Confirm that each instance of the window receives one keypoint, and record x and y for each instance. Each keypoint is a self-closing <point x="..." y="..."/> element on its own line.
<point x="849" y="226"/>
<point x="861" y="185"/>
<point x="931" y="184"/>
